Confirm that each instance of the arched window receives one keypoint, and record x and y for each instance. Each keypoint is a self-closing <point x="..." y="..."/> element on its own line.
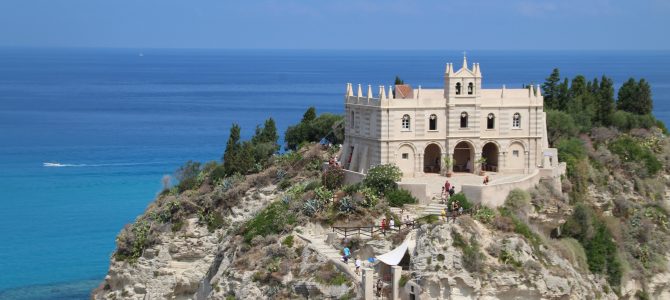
<point x="490" y="121"/>
<point x="432" y="122"/>
<point x="516" y="120"/>
<point x="458" y="88"/>
<point x="353" y="119"/>
<point x="471" y="88"/>
<point x="405" y="122"/>
<point x="464" y="120"/>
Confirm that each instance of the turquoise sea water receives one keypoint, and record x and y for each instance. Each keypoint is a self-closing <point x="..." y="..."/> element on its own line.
<point x="113" y="122"/>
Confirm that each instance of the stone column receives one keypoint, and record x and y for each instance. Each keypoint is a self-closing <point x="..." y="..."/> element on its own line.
<point x="395" y="284"/>
<point x="368" y="284"/>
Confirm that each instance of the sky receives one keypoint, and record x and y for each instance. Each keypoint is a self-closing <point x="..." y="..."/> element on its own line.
<point x="338" y="24"/>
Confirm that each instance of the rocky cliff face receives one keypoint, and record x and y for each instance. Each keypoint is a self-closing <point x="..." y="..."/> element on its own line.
<point x="505" y="255"/>
<point x="508" y="268"/>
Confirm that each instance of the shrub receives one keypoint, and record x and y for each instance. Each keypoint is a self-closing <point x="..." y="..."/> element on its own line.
<point x="288" y="241"/>
<point x="274" y="219"/>
<point x="382" y="178"/>
<point x="570" y="151"/>
<point x="333" y="177"/>
<point x="403" y="280"/>
<point x="132" y="241"/>
<point x="485" y="215"/>
<point x="518" y="201"/>
<point x="323" y="194"/>
<point x="461" y="199"/>
<point x="211" y="218"/>
<point x="399" y="197"/>
<point x="629" y="150"/>
<point x="187" y="175"/>
<point x="369" y="197"/>
<point x="599" y="246"/>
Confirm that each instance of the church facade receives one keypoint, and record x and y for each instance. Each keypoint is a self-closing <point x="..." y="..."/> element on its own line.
<point x="499" y="130"/>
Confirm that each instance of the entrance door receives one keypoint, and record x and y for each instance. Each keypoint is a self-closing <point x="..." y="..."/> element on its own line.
<point x="464" y="155"/>
<point x="431" y="159"/>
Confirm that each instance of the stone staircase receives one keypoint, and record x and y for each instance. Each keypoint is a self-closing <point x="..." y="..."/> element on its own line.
<point x="333" y="255"/>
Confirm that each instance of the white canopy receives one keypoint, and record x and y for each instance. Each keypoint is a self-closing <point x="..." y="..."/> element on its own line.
<point x="394" y="257"/>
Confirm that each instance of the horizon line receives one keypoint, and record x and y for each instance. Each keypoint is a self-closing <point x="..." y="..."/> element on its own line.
<point x="323" y="49"/>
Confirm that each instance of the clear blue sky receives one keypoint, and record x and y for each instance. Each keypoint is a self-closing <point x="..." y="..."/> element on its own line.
<point x="338" y="24"/>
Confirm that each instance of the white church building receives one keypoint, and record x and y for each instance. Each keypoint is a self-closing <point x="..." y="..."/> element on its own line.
<point x="415" y="128"/>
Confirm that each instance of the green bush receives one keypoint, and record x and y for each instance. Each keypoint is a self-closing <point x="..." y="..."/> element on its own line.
<point x="274" y="219"/>
<point x="382" y="178"/>
<point x="211" y="218"/>
<point x="333" y="177"/>
<point x="518" y="201"/>
<point x="187" y="175"/>
<point x="399" y="197"/>
<point x="288" y="241"/>
<point x="485" y="215"/>
<point x="323" y="194"/>
<point x="570" y="151"/>
<point x="132" y="241"/>
<point x="461" y="200"/>
<point x="313" y="129"/>
<point x="598" y="243"/>
<point x="369" y="197"/>
<point x="630" y="150"/>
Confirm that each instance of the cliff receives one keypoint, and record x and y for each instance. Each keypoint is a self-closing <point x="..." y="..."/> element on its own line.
<point x="265" y="235"/>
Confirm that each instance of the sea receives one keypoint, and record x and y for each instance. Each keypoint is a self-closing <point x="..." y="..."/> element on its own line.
<point x="87" y="134"/>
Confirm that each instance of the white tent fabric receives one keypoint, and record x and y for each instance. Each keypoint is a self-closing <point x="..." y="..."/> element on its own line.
<point x="394" y="257"/>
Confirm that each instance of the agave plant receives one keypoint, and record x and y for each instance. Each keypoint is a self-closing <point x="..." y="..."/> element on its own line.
<point x="312" y="207"/>
<point x="347" y="205"/>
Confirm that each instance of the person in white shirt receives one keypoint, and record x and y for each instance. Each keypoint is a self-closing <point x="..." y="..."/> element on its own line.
<point x="357" y="263"/>
<point x="391" y="224"/>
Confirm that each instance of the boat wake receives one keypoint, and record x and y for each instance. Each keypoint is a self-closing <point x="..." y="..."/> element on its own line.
<point x="62" y="165"/>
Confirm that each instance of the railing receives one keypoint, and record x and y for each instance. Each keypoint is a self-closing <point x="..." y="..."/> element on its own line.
<point x="370" y="231"/>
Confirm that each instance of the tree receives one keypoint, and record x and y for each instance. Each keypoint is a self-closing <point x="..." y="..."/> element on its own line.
<point x="560" y="125"/>
<point x="232" y="147"/>
<point x="323" y="126"/>
<point x="645" y="104"/>
<point x="627" y="96"/>
<point x="383" y="178"/>
<point x="578" y="86"/>
<point x="635" y="97"/>
<point x="605" y="101"/>
<point x="309" y="115"/>
<point x="563" y="95"/>
<point x="398" y="80"/>
<point x="550" y="88"/>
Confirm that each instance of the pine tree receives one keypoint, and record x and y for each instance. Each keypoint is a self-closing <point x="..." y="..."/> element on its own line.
<point x="628" y="96"/>
<point x="232" y="149"/>
<point x="645" y="103"/>
<point x="578" y="86"/>
<point x="551" y="89"/>
<point x="563" y="95"/>
<point x="309" y="115"/>
<point x="605" y="101"/>
<point x="398" y="80"/>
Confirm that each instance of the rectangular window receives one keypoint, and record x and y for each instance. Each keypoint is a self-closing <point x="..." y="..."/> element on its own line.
<point x="405" y="156"/>
<point x="515" y="153"/>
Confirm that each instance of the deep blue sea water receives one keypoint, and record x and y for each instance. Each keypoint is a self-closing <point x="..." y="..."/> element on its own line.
<point x="117" y="121"/>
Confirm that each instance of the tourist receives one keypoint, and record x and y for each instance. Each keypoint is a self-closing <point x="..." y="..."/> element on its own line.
<point x="486" y="180"/>
<point x="383" y="226"/>
<point x="452" y="191"/>
<point x="460" y="210"/>
<point x="443" y="213"/>
<point x="347" y="254"/>
<point x="357" y="263"/>
<point x="468" y="166"/>
<point x="391" y="224"/>
<point x="447" y="185"/>
<point x="379" y="287"/>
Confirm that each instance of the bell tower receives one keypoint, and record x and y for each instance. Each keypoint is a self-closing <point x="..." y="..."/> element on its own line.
<point x="464" y="83"/>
